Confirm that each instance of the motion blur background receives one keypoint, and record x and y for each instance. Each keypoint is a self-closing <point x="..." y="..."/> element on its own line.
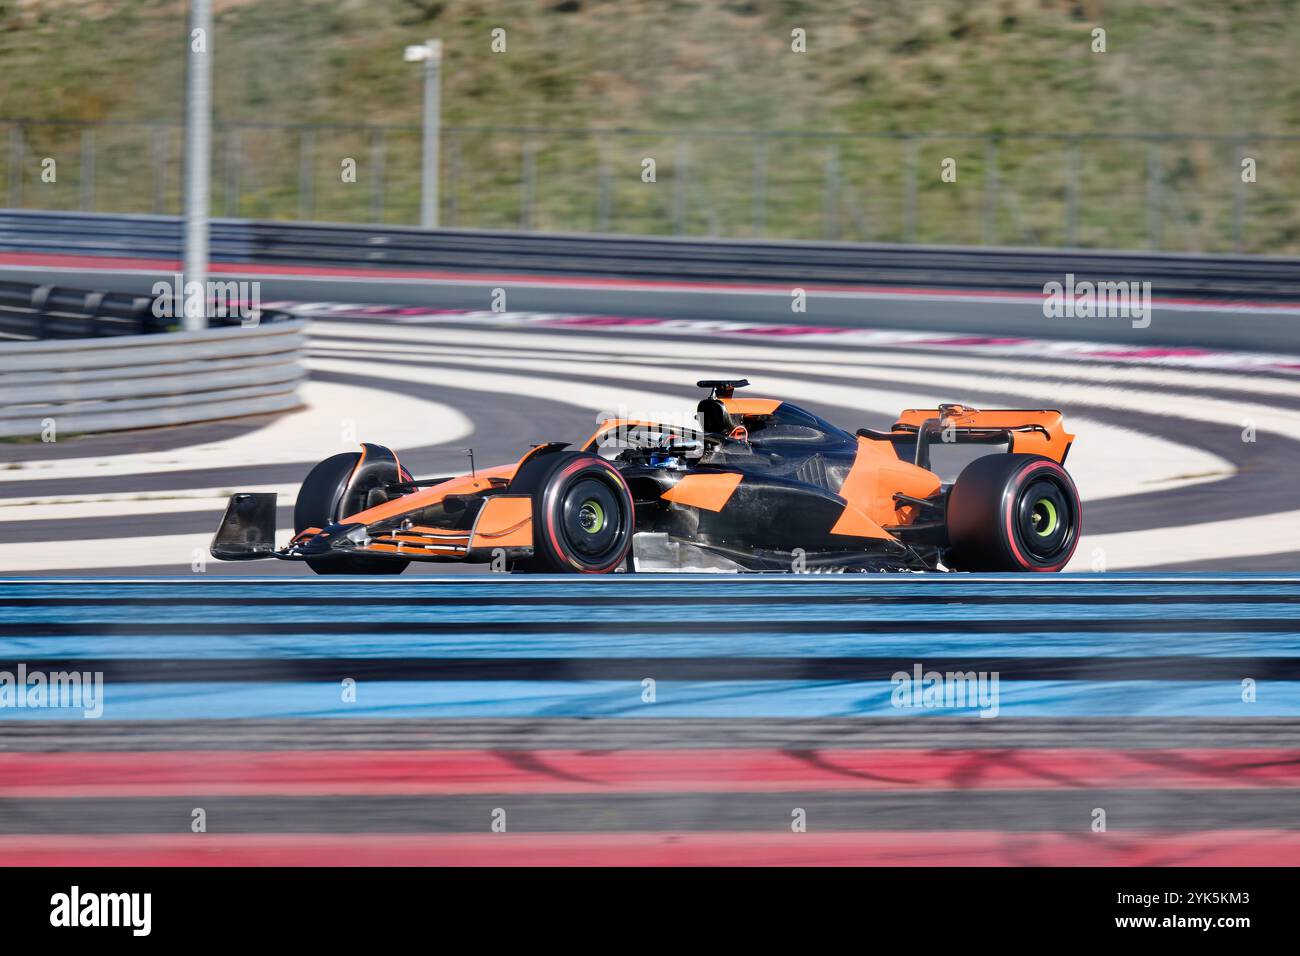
<point x="1136" y="147"/>
<point x="819" y="129"/>
<point x="121" y="438"/>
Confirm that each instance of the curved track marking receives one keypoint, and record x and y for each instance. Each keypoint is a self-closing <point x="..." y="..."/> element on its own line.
<point x="424" y="378"/>
<point x="741" y="348"/>
<point x="332" y="414"/>
<point x="177" y="552"/>
<point x="1150" y="462"/>
<point x="126" y="504"/>
<point x="603" y="400"/>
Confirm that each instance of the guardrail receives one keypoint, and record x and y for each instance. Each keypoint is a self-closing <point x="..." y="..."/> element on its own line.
<point x="796" y="263"/>
<point x="73" y="386"/>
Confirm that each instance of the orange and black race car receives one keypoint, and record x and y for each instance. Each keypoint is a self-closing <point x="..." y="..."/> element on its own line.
<point x="754" y="484"/>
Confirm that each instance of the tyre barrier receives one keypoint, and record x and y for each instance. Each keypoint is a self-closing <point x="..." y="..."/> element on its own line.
<point x="29" y="311"/>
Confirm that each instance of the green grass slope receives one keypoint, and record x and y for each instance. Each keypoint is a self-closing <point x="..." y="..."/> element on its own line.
<point x="956" y="71"/>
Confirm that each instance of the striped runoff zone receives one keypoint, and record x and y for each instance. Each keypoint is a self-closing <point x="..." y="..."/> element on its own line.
<point x="643" y="719"/>
<point x="1185" y="457"/>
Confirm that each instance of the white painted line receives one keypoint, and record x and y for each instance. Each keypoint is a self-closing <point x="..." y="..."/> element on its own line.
<point x="738" y="351"/>
<point x="938" y="342"/>
<point x="659" y="353"/>
<point x="213" y="506"/>
<point x="15" y="509"/>
<point x="170" y="550"/>
<point x="1209" y="541"/>
<point x="602" y="400"/>
<point x="337" y="418"/>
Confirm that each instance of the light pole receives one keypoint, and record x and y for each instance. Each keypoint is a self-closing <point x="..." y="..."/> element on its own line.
<point x="198" y="146"/>
<point x="430" y="53"/>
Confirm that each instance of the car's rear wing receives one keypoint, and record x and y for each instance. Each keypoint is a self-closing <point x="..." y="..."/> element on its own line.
<point x="1030" y="431"/>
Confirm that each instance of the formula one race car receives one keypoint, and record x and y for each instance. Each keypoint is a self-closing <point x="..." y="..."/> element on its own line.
<point x="753" y="484"/>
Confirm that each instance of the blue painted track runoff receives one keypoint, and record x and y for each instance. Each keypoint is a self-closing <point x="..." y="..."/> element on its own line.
<point x="714" y="646"/>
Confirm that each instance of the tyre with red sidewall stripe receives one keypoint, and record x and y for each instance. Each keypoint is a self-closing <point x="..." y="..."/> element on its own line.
<point x="319" y="503"/>
<point x="583" y="515"/>
<point x="1013" y="513"/>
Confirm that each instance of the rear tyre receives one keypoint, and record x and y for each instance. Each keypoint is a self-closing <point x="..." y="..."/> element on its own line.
<point x="318" y="505"/>
<point x="583" y="517"/>
<point x="1013" y="513"/>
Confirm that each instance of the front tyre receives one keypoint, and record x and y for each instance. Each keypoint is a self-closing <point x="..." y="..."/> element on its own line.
<point x="1013" y="513"/>
<point x="583" y="516"/>
<point x="318" y="505"/>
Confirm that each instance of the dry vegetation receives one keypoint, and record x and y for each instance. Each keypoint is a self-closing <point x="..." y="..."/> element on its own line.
<point x="1204" y="67"/>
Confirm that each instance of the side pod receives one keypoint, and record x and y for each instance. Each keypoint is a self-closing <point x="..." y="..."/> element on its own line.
<point x="247" y="530"/>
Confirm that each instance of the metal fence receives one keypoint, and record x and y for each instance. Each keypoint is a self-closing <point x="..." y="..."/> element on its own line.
<point x="1165" y="192"/>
